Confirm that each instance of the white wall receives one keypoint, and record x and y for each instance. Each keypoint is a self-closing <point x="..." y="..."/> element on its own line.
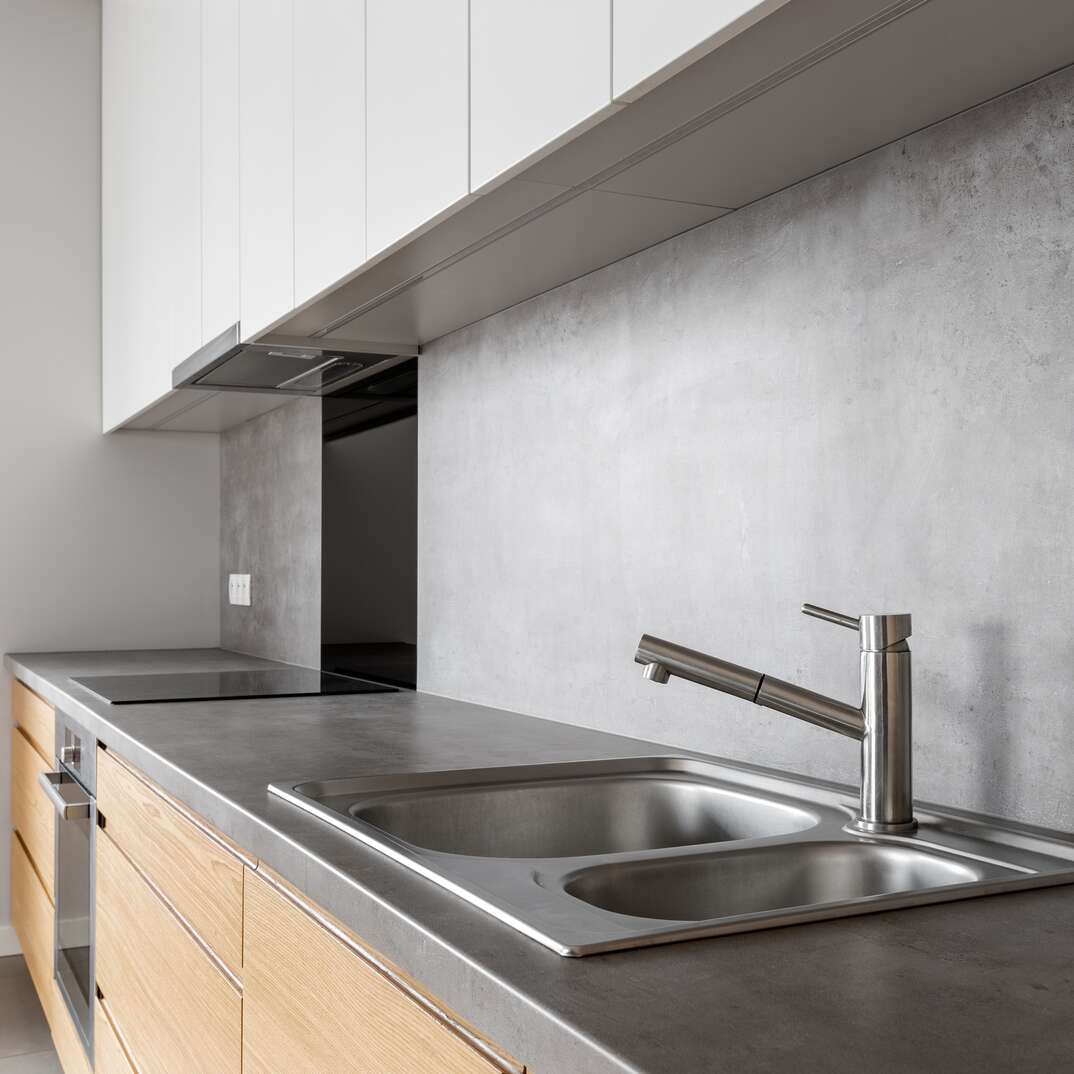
<point x="104" y="541"/>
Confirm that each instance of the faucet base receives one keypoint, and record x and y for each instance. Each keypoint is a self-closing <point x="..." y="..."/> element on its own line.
<point x="871" y="827"/>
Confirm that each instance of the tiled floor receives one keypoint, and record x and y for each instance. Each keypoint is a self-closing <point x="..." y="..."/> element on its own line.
<point x="25" y="1041"/>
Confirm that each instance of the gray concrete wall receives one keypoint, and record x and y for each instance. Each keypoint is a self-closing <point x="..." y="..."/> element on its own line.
<point x="270" y="528"/>
<point x="858" y="392"/>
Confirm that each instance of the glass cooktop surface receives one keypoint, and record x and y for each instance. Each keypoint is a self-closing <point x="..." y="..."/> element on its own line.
<point x="225" y="685"/>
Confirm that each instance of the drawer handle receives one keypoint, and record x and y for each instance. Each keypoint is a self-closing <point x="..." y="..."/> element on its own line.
<point x="76" y="809"/>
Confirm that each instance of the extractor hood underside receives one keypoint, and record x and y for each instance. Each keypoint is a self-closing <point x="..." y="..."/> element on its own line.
<point x="809" y="87"/>
<point x="284" y="365"/>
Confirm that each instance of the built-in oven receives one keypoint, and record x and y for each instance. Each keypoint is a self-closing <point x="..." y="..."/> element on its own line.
<point x="72" y="790"/>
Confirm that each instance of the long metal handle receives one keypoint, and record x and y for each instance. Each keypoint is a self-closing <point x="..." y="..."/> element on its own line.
<point x="50" y="781"/>
<point x="851" y="622"/>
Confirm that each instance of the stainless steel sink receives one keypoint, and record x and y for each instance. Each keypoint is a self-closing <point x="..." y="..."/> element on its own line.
<point x="497" y="815"/>
<point x="595" y="856"/>
<point x="766" y="879"/>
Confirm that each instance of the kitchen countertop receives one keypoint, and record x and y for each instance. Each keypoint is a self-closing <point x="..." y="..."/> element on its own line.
<point x="986" y="984"/>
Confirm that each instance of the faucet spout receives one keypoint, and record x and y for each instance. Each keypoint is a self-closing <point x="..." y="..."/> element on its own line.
<point x="663" y="659"/>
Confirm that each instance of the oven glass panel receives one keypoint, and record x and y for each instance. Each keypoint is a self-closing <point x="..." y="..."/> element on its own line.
<point x="74" y="909"/>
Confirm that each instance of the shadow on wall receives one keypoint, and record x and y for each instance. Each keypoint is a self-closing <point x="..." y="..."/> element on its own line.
<point x="999" y="717"/>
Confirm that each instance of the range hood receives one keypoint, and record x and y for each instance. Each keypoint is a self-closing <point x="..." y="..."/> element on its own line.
<point x="285" y="365"/>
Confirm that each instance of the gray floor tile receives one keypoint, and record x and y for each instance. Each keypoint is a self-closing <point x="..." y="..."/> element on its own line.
<point x="23" y="1029"/>
<point x="38" y="1063"/>
<point x="12" y="966"/>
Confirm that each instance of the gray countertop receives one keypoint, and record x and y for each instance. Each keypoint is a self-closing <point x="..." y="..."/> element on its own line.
<point x="986" y="984"/>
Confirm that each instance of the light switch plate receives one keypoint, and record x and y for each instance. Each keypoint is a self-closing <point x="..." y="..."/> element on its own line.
<point x="238" y="589"/>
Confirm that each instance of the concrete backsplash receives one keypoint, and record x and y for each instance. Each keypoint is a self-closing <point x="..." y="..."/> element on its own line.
<point x="857" y="392"/>
<point x="270" y="528"/>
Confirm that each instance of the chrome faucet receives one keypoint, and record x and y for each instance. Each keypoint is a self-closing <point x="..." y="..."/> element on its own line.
<point x="881" y="722"/>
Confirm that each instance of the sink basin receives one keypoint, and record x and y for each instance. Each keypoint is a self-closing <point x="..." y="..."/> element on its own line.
<point x="577" y="815"/>
<point x="765" y="879"/>
<point x="594" y="856"/>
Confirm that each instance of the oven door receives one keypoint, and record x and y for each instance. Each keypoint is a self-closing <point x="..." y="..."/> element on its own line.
<point x="76" y="823"/>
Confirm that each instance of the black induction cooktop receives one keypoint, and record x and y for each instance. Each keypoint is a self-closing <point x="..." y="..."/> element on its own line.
<point x="225" y="685"/>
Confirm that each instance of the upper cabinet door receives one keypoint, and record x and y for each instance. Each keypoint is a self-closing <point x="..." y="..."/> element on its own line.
<point x="219" y="166"/>
<point x="418" y="104"/>
<point x="654" y="41"/>
<point x="537" y="72"/>
<point x="266" y="163"/>
<point x="176" y="81"/>
<point x="329" y="142"/>
<point x="122" y="242"/>
<point x="150" y="199"/>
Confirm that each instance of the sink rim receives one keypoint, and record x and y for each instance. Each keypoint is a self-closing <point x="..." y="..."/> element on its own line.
<point x="527" y="893"/>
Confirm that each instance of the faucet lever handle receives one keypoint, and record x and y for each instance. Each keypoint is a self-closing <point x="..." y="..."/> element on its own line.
<point x="851" y="622"/>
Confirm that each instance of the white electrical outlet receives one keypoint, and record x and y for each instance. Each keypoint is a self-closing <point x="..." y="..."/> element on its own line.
<point x="238" y="589"/>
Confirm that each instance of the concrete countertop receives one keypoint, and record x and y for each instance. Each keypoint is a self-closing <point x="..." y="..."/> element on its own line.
<point x="985" y="984"/>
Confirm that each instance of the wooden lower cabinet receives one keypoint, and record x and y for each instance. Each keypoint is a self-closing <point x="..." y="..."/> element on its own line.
<point x="313" y="1004"/>
<point x="33" y="918"/>
<point x="192" y="867"/>
<point x="32" y="814"/>
<point x="32" y="915"/>
<point x="207" y="965"/>
<point x="179" y="1012"/>
<point x="32" y="866"/>
<point x="36" y="718"/>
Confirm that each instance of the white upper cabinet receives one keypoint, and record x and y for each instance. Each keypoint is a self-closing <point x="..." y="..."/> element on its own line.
<point x="122" y="248"/>
<point x="651" y="41"/>
<point x="177" y="107"/>
<point x="219" y="166"/>
<point x="537" y="71"/>
<point x="417" y="113"/>
<point x="329" y="142"/>
<point x="266" y="163"/>
<point x="301" y="152"/>
<point x="150" y="199"/>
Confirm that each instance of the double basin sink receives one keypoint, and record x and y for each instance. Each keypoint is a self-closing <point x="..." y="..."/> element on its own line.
<point x="594" y="856"/>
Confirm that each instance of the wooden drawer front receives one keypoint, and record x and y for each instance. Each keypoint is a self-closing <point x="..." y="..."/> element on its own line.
<point x="32" y="916"/>
<point x="68" y="1043"/>
<point x="32" y="814"/>
<point x="108" y="1054"/>
<point x="179" y="1013"/>
<point x="310" y="1003"/>
<point x="201" y="878"/>
<point x="36" y="718"/>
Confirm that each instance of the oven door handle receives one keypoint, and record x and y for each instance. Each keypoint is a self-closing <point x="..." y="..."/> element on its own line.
<point x="50" y="781"/>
